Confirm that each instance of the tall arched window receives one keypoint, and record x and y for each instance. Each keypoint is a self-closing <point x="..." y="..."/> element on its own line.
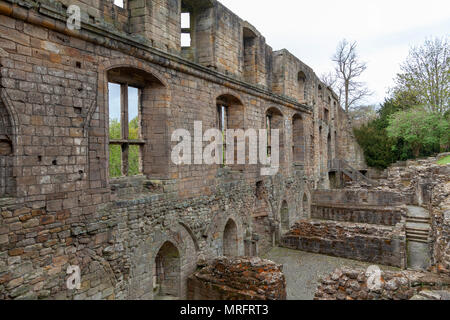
<point x="298" y="140"/>
<point x="284" y="216"/>
<point x="301" y="78"/>
<point x="230" y="115"/>
<point x="275" y="120"/>
<point x="250" y="55"/>
<point x="7" y="181"/>
<point x="137" y="124"/>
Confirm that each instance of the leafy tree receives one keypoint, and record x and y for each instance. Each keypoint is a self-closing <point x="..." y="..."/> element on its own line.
<point x="425" y="76"/>
<point x="420" y="129"/>
<point x="115" y="151"/>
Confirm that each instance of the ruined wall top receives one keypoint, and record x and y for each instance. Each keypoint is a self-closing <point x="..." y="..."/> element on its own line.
<point x="203" y="32"/>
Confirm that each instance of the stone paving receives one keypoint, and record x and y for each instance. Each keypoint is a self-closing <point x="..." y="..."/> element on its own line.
<point x="303" y="270"/>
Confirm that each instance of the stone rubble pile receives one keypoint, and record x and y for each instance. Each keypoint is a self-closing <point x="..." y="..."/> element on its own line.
<point x="238" y="279"/>
<point x="348" y="284"/>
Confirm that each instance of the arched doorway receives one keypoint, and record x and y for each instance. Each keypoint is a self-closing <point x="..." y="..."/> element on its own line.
<point x="230" y="239"/>
<point x="7" y="181"/>
<point x="284" y="215"/>
<point x="305" y="205"/>
<point x="166" y="280"/>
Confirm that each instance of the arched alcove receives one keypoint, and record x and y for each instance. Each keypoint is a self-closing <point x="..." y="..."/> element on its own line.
<point x="275" y="120"/>
<point x="230" y="239"/>
<point x="284" y="217"/>
<point x="7" y="181"/>
<point x="301" y="81"/>
<point x="305" y="206"/>
<point x="167" y="272"/>
<point x="298" y="139"/>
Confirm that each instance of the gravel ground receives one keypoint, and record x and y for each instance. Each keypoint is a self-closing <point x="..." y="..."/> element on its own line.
<point x="303" y="270"/>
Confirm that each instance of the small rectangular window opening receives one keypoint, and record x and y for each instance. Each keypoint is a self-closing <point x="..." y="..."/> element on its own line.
<point x="119" y="3"/>
<point x="186" y="39"/>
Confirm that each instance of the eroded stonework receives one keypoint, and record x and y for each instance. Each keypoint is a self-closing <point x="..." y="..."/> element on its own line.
<point x="141" y="237"/>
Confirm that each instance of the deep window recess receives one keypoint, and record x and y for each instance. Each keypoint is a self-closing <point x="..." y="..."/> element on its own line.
<point x="186" y="36"/>
<point x="222" y="112"/>
<point x="125" y="141"/>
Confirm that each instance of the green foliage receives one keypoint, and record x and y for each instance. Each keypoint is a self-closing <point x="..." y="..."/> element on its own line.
<point x="115" y="151"/>
<point x="422" y="130"/>
<point x="444" y="161"/>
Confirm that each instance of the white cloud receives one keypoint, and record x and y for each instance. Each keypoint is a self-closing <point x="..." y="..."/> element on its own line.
<point x="384" y="30"/>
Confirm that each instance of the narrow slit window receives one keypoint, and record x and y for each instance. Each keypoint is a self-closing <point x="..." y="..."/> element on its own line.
<point x="222" y="111"/>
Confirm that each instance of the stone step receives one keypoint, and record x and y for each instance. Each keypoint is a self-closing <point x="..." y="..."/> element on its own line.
<point x="421" y="240"/>
<point x="417" y="234"/>
<point x="418" y="220"/>
<point x="415" y="230"/>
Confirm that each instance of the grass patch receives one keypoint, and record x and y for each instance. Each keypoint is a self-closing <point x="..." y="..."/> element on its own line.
<point x="444" y="161"/>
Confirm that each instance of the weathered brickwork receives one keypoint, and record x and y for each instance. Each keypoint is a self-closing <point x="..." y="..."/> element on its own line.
<point x="371" y="243"/>
<point x="349" y="284"/>
<point x="129" y="235"/>
<point x="238" y="279"/>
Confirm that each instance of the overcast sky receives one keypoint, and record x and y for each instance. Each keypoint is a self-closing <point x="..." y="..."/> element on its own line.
<point x="384" y="30"/>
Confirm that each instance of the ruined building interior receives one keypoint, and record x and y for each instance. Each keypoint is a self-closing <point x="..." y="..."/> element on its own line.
<point x="143" y="233"/>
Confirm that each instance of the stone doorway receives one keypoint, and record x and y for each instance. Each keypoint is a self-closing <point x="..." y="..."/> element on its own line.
<point x="230" y="239"/>
<point x="284" y="215"/>
<point x="305" y="206"/>
<point x="167" y="280"/>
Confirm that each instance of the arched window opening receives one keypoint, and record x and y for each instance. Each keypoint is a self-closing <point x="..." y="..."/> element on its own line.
<point x="301" y="78"/>
<point x="284" y="216"/>
<point x="230" y="116"/>
<point x="329" y="151"/>
<point x="298" y="140"/>
<point x="186" y="25"/>
<point x="166" y="272"/>
<point x="250" y="55"/>
<point x="275" y="121"/>
<point x="137" y="123"/>
<point x="230" y="239"/>
<point x="7" y="181"/>
<point x="305" y="205"/>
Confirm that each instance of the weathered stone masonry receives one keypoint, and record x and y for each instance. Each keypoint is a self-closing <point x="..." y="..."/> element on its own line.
<point x="138" y="237"/>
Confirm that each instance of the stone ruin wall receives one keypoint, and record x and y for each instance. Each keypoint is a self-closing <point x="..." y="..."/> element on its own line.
<point x="350" y="284"/>
<point x="62" y="208"/>
<point x="363" y="242"/>
<point x="238" y="279"/>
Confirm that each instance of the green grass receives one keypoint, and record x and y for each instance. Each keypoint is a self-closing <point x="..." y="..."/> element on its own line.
<point x="444" y="161"/>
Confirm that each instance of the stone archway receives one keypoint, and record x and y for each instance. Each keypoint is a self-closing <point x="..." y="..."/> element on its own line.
<point x="284" y="217"/>
<point x="305" y="206"/>
<point x="230" y="239"/>
<point x="167" y="272"/>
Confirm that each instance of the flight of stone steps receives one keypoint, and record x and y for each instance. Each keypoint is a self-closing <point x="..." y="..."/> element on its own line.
<point x="418" y="225"/>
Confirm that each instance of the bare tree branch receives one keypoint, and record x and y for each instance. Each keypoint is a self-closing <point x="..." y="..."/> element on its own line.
<point x="347" y="70"/>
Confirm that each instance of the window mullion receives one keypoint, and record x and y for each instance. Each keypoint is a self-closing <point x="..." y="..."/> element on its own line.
<point x="125" y="135"/>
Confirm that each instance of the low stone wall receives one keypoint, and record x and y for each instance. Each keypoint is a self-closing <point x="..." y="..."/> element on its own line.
<point x="370" y="243"/>
<point x="362" y="197"/>
<point x="238" y="279"/>
<point x="349" y="284"/>
<point x="441" y="235"/>
<point x="387" y="216"/>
